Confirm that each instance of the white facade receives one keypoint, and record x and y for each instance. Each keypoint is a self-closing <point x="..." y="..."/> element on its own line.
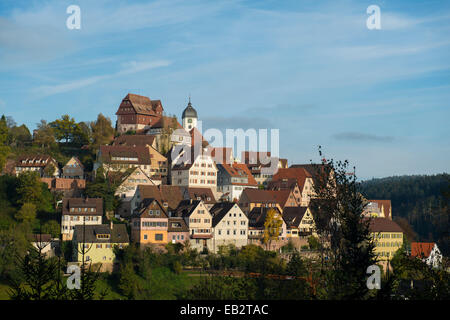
<point x="69" y="221"/>
<point x="202" y="173"/>
<point x="231" y="229"/>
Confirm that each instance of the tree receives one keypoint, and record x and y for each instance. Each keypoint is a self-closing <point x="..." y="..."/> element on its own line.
<point x="49" y="170"/>
<point x="44" y="135"/>
<point x="64" y="128"/>
<point x="19" y="135"/>
<point x="82" y="134"/>
<point x="3" y="131"/>
<point x="102" y="131"/>
<point x="30" y="189"/>
<point x="272" y="226"/>
<point x="52" y="227"/>
<point x="350" y="248"/>
<point x="27" y="212"/>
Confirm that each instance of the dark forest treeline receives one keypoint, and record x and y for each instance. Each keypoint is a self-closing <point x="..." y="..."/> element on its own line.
<point x="421" y="199"/>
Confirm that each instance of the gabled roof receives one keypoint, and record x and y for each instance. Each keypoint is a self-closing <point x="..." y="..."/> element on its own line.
<point x="300" y="174"/>
<point x="182" y="226"/>
<point x="172" y="195"/>
<point x="239" y="170"/>
<point x="145" y="208"/>
<point x="142" y="154"/>
<point x="421" y="249"/>
<point x="141" y="105"/>
<point x="76" y="160"/>
<point x="384" y="225"/>
<point x="203" y="193"/>
<point x="258" y="196"/>
<point x="281" y="196"/>
<point x="294" y="215"/>
<point x="186" y="207"/>
<point x="88" y="233"/>
<point x="134" y="140"/>
<point x="312" y="168"/>
<point x="257" y="216"/>
<point x="219" y="210"/>
<point x="166" y="122"/>
<point x="383" y="205"/>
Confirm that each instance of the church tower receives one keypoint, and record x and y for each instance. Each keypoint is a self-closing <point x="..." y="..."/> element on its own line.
<point x="189" y="117"/>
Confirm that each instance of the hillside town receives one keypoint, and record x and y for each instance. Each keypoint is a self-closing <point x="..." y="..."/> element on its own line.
<point x="218" y="199"/>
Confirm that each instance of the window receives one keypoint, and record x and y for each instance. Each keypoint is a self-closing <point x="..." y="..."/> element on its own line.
<point x="145" y="237"/>
<point x="158" y="237"/>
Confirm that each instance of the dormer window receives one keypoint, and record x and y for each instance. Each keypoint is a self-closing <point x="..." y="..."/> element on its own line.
<point x="103" y="236"/>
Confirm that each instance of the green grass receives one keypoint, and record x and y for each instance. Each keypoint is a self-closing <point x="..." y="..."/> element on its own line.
<point x="4" y="291"/>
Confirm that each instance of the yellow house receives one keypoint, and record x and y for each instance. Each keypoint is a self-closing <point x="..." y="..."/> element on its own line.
<point x="388" y="238"/>
<point x="299" y="221"/>
<point x="149" y="225"/>
<point x="97" y="243"/>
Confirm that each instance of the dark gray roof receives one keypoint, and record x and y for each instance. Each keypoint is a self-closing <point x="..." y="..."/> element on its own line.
<point x="294" y="215"/>
<point x="257" y="216"/>
<point x="118" y="234"/>
<point x="219" y="210"/>
<point x="185" y="208"/>
<point x="189" y="111"/>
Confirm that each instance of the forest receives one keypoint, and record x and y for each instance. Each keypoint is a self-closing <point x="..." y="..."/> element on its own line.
<point x="421" y="200"/>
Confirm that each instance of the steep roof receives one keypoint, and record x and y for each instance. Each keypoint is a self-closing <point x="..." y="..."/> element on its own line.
<point x="197" y="137"/>
<point x="384" y="225"/>
<point x="76" y="160"/>
<point x="89" y="233"/>
<point x="283" y="184"/>
<point x="257" y="216"/>
<point x="300" y="174"/>
<point x="173" y="195"/>
<point x="421" y="249"/>
<point x="239" y="170"/>
<point x="294" y="215"/>
<point x="141" y="105"/>
<point x="39" y="237"/>
<point x="186" y="207"/>
<point x="219" y="210"/>
<point x="281" y="196"/>
<point x="142" y="154"/>
<point x="147" y="203"/>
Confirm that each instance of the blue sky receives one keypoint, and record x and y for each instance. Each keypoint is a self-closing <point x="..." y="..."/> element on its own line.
<point x="380" y="98"/>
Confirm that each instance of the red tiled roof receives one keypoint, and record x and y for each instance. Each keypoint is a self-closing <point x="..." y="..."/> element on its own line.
<point x="222" y="155"/>
<point x="421" y="249"/>
<point x="300" y="174"/>
<point x="281" y="196"/>
<point x="240" y="170"/>
<point x="202" y="193"/>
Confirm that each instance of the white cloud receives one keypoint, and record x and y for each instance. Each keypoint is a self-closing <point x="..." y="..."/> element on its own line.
<point x="127" y="68"/>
